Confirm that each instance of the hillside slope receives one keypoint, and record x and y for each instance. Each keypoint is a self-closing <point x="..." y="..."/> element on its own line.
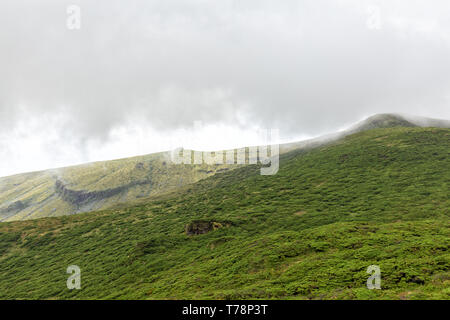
<point x="378" y="197"/>
<point x="94" y="186"/>
<point x="102" y="185"/>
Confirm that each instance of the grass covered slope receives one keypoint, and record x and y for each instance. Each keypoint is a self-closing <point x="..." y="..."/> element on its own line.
<point x="94" y="186"/>
<point x="102" y="185"/>
<point x="378" y="197"/>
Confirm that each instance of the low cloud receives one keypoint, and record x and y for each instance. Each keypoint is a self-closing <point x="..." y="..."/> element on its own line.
<point x="305" y="67"/>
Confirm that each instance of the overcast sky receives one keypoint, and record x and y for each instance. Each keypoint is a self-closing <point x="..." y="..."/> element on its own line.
<point x="137" y="74"/>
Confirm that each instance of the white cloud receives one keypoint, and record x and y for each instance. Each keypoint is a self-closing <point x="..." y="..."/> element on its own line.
<point x="152" y="68"/>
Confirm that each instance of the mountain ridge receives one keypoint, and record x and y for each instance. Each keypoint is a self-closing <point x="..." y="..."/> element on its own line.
<point x="104" y="184"/>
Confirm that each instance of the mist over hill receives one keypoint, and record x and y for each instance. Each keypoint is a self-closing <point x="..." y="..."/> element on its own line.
<point x="101" y="185"/>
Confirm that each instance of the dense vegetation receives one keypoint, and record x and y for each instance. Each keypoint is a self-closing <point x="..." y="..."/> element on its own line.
<point x="94" y="186"/>
<point x="379" y="197"/>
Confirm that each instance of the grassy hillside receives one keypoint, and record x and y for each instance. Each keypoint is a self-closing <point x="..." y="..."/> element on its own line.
<point x="103" y="185"/>
<point x="94" y="186"/>
<point x="378" y="197"/>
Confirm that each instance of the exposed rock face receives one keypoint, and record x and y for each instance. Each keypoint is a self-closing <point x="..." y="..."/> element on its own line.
<point x="81" y="197"/>
<point x="201" y="227"/>
<point x="14" y="207"/>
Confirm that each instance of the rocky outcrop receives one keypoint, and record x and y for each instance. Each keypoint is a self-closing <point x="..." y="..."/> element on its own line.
<point x="82" y="197"/>
<point x="201" y="227"/>
<point x="14" y="207"/>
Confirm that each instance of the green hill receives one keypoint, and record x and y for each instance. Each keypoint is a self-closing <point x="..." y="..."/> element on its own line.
<point x="94" y="186"/>
<point x="377" y="197"/>
<point x="103" y="185"/>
